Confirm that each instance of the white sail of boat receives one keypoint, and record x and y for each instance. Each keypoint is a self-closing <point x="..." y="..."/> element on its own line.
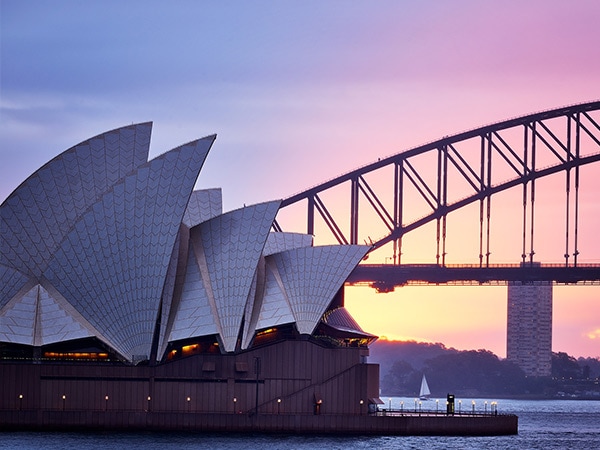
<point x="424" y="393"/>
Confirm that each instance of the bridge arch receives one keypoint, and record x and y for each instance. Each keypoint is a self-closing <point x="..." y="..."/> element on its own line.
<point x="464" y="169"/>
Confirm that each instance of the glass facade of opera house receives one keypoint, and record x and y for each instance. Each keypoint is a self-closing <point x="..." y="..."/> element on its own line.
<point x="122" y="288"/>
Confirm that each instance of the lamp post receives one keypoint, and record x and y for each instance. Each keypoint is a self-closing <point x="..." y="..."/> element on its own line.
<point x="415" y="405"/>
<point x="485" y="407"/>
<point x="437" y="406"/>
<point x="390" y="401"/>
<point x="459" y="407"/>
<point x="361" y="405"/>
<point x="189" y="400"/>
<point x="278" y="405"/>
<point x="106" y="403"/>
<point x="401" y="407"/>
<point x="148" y="408"/>
<point x="64" y="399"/>
<point x="234" y="403"/>
<point x="20" y="402"/>
<point x="473" y="404"/>
<point x="420" y="405"/>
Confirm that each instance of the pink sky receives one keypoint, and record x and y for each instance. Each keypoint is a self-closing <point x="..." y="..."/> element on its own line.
<point x="301" y="92"/>
<point x="472" y="318"/>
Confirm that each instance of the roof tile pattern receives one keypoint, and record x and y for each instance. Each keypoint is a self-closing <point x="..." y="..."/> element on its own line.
<point x="203" y="205"/>
<point x="36" y="216"/>
<point x="276" y="309"/>
<point x="113" y="263"/>
<point x="57" y="320"/>
<point x="341" y="319"/>
<point x="232" y="244"/>
<point x="195" y="315"/>
<point x="168" y="292"/>
<point x="37" y="318"/>
<point x="253" y="304"/>
<point x="312" y="275"/>
<point x="17" y="319"/>
<point x="11" y="282"/>
<point x="279" y="242"/>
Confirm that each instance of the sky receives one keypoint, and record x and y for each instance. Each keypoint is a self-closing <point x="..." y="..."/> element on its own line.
<point x="299" y="92"/>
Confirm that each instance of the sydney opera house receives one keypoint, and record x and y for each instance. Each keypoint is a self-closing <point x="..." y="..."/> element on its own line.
<point x="130" y="301"/>
<point x="124" y="290"/>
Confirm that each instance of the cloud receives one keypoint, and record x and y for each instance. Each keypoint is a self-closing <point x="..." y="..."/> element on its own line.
<point x="594" y="334"/>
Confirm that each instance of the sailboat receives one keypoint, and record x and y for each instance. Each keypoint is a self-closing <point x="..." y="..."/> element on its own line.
<point x="424" y="393"/>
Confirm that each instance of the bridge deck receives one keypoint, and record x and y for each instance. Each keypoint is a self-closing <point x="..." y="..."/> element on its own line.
<point x="384" y="277"/>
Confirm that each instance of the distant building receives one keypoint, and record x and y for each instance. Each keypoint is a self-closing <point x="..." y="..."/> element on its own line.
<point x="529" y="327"/>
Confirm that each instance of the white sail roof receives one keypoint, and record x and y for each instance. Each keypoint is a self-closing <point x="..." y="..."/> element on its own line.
<point x="195" y="315"/>
<point x="276" y="309"/>
<point x="96" y="226"/>
<point x="312" y="275"/>
<point x="39" y="317"/>
<point x="281" y="241"/>
<point x="112" y="265"/>
<point x="203" y="205"/>
<point x="229" y="247"/>
<point x="101" y="243"/>
<point x="36" y="217"/>
<point x="18" y="317"/>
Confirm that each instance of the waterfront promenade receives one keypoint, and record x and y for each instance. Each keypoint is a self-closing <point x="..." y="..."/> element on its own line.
<point x="379" y="423"/>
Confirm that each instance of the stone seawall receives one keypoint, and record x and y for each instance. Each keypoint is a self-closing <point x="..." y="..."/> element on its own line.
<point x="480" y="425"/>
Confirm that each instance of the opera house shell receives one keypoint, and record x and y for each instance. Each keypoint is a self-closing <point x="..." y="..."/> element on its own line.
<point x="123" y="289"/>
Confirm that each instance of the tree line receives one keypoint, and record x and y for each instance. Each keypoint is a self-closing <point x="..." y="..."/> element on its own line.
<point x="477" y="372"/>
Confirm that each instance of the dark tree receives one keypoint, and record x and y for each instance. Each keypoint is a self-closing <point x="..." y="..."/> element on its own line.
<point x="565" y="366"/>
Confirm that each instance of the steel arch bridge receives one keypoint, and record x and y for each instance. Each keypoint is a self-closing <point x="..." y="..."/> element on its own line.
<point x="458" y="171"/>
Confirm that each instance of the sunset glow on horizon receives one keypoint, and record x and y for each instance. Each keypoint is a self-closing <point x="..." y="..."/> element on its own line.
<point x="473" y="317"/>
<point x="302" y="92"/>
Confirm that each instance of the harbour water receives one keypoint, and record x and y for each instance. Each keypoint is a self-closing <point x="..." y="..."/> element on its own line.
<point x="543" y="424"/>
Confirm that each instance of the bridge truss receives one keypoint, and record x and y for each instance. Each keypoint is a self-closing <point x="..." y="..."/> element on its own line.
<point x="465" y="169"/>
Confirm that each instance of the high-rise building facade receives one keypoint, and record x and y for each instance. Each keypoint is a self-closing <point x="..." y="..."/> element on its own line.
<point x="529" y="327"/>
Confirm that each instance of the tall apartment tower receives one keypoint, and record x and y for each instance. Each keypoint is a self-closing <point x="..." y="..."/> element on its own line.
<point x="529" y="327"/>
